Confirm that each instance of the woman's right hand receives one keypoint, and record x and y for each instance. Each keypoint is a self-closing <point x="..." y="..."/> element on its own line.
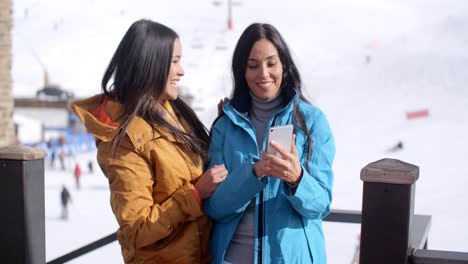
<point x="207" y="183"/>
<point x="221" y="103"/>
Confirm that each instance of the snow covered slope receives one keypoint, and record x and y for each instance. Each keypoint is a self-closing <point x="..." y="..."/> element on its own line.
<point x="365" y="63"/>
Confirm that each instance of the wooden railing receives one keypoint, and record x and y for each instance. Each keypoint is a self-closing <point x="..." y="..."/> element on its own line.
<point x="85" y="250"/>
<point x="390" y="232"/>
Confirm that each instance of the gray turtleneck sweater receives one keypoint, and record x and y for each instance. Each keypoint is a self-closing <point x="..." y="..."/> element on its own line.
<point x="241" y="249"/>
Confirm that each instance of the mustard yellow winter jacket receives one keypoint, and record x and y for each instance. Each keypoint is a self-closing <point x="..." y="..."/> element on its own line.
<point x="158" y="210"/>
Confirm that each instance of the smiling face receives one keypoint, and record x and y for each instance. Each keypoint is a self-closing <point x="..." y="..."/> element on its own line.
<point x="264" y="71"/>
<point x="175" y="72"/>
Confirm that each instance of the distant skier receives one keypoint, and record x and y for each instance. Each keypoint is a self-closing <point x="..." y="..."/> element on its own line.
<point x="65" y="198"/>
<point x="51" y="148"/>
<point x="62" y="158"/>
<point x="52" y="158"/>
<point x="77" y="175"/>
<point x="90" y="167"/>
<point x="397" y="147"/>
<point x="61" y="141"/>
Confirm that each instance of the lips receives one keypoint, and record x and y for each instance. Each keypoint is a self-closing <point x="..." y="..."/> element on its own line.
<point x="174" y="82"/>
<point x="264" y="85"/>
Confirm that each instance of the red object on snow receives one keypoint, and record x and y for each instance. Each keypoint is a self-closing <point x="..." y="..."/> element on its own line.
<point x="77" y="171"/>
<point x="417" y="114"/>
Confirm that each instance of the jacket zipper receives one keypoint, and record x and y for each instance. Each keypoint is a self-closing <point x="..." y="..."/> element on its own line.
<point x="261" y="212"/>
<point x="260" y="229"/>
<point x="260" y="205"/>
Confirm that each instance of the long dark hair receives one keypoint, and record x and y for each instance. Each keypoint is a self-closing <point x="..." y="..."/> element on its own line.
<point x="139" y="69"/>
<point x="291" y="77"/>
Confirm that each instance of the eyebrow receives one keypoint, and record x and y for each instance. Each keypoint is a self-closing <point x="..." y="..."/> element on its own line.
<point x="267" y="58"/>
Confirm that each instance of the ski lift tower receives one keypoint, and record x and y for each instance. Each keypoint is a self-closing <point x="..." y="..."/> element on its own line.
<point x="230" y="3"/>
<point x="229" y="14"/>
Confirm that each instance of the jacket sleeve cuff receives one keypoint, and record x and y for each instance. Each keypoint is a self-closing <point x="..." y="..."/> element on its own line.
<point x="262" y="179"/>
<point x="197" y="195"/>
<point x="188" y="202"/>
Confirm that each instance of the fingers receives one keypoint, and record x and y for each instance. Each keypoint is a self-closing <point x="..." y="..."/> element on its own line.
<point x="221" y="103"/>
<point x="283" y="152"/>
<point x="219" y="178"/>
<point x="280" y="168"/>
<point x="217" y="168"/>
<point x="210" y="179"/>
<point x="283" y="162"/>
<point x="259" y="168"/>
<point x="218" y="173"/>
<point x="293" y="149"/>
<point x="220" y="107"/>
<point x="275" y="162"/>
<point x="276" y="171"/>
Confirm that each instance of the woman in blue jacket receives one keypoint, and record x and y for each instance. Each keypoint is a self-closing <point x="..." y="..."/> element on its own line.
<point x="269" y="209"/>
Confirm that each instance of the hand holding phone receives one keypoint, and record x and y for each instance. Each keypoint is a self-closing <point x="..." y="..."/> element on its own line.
<point x="286" y="166"/>
<point x="281" y="135"/>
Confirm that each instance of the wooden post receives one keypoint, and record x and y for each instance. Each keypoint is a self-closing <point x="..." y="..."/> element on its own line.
<point x="387" y="211"/>
<point x="22" y="232"/>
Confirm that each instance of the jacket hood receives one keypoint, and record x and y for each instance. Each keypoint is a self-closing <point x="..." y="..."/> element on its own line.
<point x="101" y="117"/>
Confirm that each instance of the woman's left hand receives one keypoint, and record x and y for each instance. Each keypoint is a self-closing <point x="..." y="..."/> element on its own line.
<point x="287" y="168"/>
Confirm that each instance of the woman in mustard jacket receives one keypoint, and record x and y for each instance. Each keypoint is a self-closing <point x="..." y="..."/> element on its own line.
<point x="152" y="148"/>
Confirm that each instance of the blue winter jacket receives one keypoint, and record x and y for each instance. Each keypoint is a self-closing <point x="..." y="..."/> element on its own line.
<point x="288" y="221"/>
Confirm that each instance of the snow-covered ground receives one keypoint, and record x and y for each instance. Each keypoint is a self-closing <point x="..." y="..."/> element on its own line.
<point x="90" y="216"/>
<point x="364" y="62"/>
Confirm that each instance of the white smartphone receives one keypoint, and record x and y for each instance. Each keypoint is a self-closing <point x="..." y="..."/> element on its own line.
<point x="282" y="135"/>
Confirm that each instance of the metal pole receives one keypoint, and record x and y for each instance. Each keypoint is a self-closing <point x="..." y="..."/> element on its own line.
<point x="230" y="15"/>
